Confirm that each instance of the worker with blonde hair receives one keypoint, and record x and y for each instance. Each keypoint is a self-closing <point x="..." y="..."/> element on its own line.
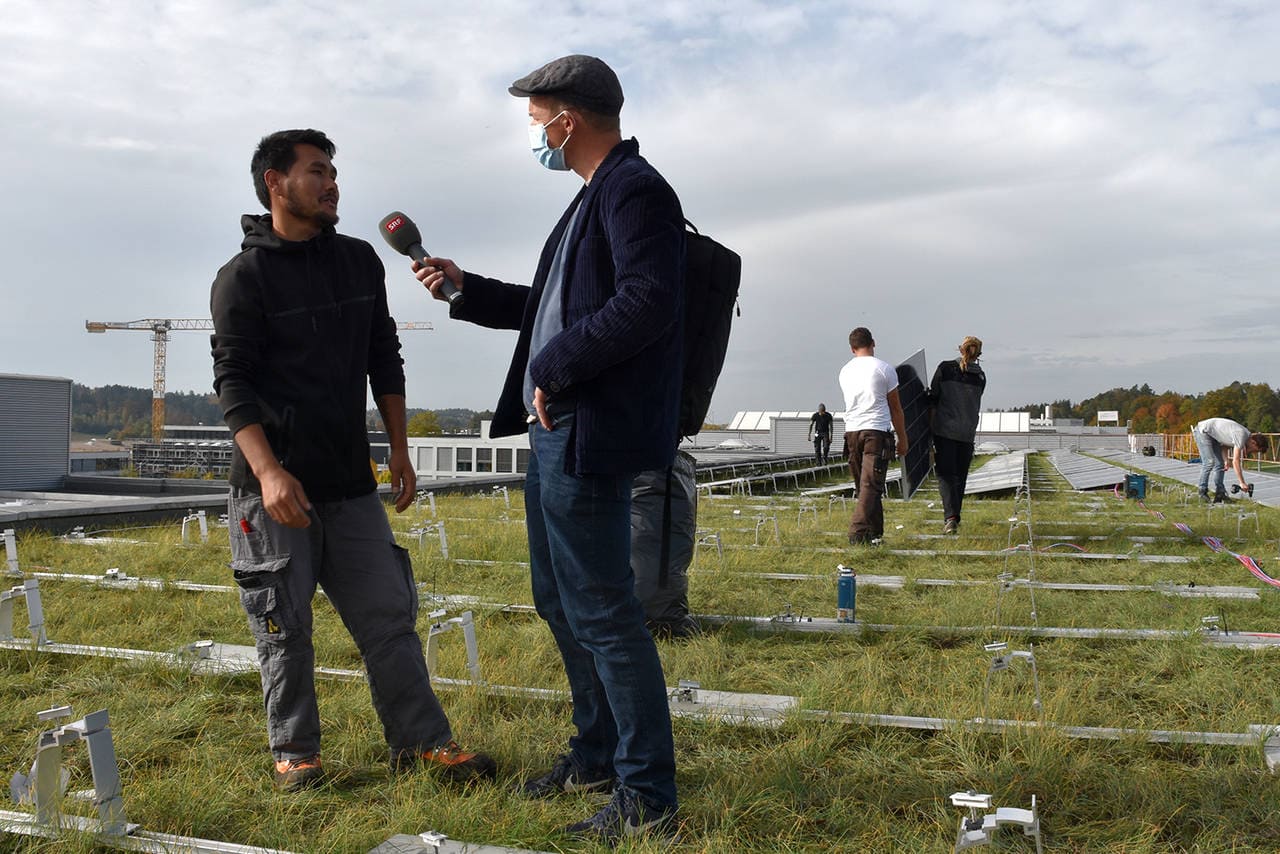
<point x="955" y="399"/>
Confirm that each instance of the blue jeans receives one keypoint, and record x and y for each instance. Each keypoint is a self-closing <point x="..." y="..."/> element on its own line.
<point x="580" y="561"/>
<point x="1210" y="463"/>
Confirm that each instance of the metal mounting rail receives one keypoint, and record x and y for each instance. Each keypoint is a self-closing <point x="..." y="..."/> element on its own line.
<point x="29" y="592"/>
<point x="207" y="657"/>
<point x="11" y="553"/>
<point x="689" y="700"/>
<point x="784" y="622"/>
<point x="898" y="582"/>
<point x="140" y="840"/>
<point x="437" y="843"/>
<point x="799" y="623"/>
<point x="1258" y="735"/>
<point x="1140" y="558"/>
<point x="1190" y="591"/>
<point x="165" y="843"/>
<point x="1002" y="553"/>
<point x="1109" y="522"/>
<point x="116" y="579"/>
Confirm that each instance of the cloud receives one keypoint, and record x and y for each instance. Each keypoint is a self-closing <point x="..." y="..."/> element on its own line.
<point x="1088" y="187"/>
<point x="120" y="143"/>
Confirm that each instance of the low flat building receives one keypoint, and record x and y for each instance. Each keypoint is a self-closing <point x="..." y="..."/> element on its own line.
<point x="35" y="431"/>
<point x="452" y="457"/>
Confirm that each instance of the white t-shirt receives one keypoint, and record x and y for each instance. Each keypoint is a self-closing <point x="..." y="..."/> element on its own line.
<point x="1226" y="431"/>
<point x="866" y="382"/>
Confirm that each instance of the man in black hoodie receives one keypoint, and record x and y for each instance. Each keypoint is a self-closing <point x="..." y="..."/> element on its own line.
<point x="820" y="426"/>
<point x="300" y="325"/>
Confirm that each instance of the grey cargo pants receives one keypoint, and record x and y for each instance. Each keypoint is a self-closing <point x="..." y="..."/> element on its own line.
<point x="350" y="552"/>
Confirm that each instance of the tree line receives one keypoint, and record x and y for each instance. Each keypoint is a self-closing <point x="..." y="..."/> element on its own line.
<point x="1255" y="405"/>
<point x="124" y="412"/>
<point x="435" y="422"/>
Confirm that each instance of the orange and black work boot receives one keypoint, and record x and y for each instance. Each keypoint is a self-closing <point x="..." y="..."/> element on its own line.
<point x="295" y="774"/>
<point x="450" y="761"/>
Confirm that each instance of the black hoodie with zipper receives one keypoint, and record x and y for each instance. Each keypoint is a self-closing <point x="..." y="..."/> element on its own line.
<point x="299" y="328"/>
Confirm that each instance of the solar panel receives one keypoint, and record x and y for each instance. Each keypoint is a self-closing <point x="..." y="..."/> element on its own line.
<point x="913" y="395"/>
<point x="1266" y="487"/>
<point x="1085" y="472"/>
<point x="998" y="474"/>
<point x="761" y="420"/>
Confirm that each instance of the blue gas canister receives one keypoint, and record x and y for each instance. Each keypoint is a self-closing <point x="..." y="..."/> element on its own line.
<point x="846" y="594"/>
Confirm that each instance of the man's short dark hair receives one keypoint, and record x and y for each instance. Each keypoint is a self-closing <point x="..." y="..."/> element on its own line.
<point x="597" y="121"/>
<point x="860" y="338"/>
<point x="276" y="151"/>
<point x="1260" y="442"/>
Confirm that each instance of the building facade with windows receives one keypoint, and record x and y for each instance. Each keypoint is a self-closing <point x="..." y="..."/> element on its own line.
<point x="452" y="457"/>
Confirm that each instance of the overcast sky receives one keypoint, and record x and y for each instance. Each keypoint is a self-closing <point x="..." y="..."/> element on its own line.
<point x="1089" y="187"/>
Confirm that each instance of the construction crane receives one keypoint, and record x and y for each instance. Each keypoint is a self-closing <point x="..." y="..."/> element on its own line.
<point x="160" y="329"/>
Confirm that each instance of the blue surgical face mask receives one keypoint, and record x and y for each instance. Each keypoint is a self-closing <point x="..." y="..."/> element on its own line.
<point x="552" y="158"/>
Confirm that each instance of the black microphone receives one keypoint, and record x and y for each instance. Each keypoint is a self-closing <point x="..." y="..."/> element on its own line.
<point x="404" y="237"/>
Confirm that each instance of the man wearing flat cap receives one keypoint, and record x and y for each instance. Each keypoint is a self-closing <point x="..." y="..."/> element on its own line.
<point x="595" y="380"/>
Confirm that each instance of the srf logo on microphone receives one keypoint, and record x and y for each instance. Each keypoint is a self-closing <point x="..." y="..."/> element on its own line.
<point x="393" y="224"/>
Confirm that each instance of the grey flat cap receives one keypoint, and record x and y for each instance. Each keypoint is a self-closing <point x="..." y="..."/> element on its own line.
<point x="582" y="81"/>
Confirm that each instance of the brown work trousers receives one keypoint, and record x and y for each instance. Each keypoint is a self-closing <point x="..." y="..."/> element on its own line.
<point x="869" y="454"/>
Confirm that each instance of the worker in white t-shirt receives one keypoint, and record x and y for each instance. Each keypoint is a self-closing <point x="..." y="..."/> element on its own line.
<point x="1213" y="436"/>
<point x="871" y="405"/>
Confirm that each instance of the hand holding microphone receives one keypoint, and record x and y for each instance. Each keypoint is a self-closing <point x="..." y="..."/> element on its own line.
<point x="439" y="274"/>
<point x="403" y="236"/>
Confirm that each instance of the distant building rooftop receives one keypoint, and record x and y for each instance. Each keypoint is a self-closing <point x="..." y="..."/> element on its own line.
<point x="761" y="419"/>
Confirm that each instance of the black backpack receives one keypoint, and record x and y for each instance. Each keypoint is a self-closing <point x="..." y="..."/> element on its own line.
<point x="712" y="274"/>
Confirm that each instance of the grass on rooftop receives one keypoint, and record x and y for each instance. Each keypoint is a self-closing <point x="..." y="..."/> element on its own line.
<point x="193" y="752"/>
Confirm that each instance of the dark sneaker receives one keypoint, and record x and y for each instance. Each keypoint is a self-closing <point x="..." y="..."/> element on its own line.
<point x="678" y="629"/>
<point x="449" y="761"/>
<point x="625" y="816"/>
<point x="563" y="777"/>
<point x="1204" y="496"/>
<point x="1221" y="498"/>
<point x="951" y="526"/>
<point x="295" y="774"/>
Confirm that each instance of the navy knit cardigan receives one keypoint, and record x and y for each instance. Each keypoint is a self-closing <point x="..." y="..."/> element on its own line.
<point x="619" y="353"/>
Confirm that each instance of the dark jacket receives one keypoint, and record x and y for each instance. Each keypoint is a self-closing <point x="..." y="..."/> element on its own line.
<point x="820" y="424"/>
<point x="300" y="328"/>
<point x="618" y="356"/>
<point x="956" y="398"/>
